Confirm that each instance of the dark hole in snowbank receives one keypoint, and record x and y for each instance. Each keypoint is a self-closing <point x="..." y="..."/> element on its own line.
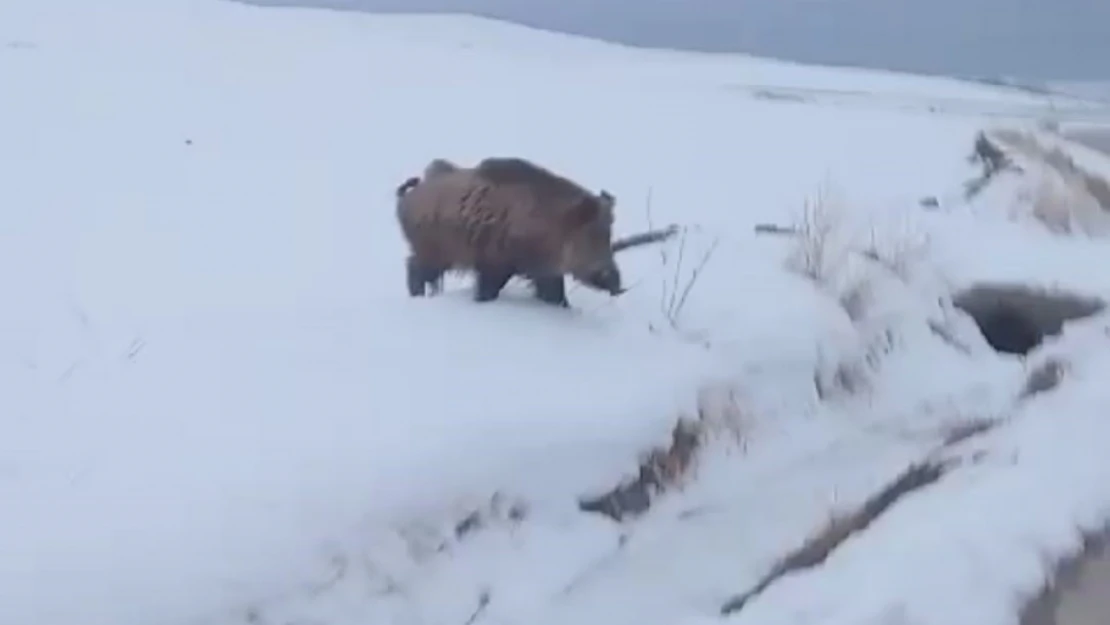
<point x="1014" y="319"/>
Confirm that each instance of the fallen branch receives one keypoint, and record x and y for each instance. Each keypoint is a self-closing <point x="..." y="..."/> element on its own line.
<point x="644" y="238"/>
<point x="776" y="229"/>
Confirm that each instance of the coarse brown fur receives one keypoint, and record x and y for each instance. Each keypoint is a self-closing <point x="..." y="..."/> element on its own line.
<point x="436" y="167"/>
<point x="506" y="217"/>
<point x="439" y="166"/>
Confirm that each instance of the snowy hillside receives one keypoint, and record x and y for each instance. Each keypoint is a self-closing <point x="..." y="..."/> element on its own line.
<point x="1094" y="90"/>
<point x="218" y="404"/>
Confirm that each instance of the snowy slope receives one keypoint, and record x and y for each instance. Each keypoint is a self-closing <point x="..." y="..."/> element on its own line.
<point x="218" y="404"/>
<point x="1094" y="90"/>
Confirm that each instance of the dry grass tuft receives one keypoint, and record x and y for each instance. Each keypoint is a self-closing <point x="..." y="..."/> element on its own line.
<point x="662" y="469"/>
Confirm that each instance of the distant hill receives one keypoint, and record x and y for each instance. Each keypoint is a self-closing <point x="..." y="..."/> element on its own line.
<point x="1059" y="40"/>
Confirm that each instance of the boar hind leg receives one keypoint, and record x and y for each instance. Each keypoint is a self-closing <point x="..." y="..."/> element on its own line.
<point x="551" y="290"/>
<point x="414" y="275"/>
<point x="490" y="281"/>
<point x="419" y="276"/>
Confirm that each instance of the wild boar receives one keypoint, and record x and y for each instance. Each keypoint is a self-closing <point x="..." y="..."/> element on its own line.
<point x="506" y="217"/>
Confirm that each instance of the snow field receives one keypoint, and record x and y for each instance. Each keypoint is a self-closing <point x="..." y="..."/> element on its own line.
<point x="218" y="402"/>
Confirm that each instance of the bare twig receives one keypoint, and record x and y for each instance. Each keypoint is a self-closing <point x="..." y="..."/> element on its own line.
<point x="898" y="255"/>
<point x="136" y="346"/>
<point x="677" y="269"/>
<point x="65" y="375"/>
<point x="673" y="297"/>
<point x="694" y="277"/>
<point x="651" y="221"/>
<point x="483" y="603"/>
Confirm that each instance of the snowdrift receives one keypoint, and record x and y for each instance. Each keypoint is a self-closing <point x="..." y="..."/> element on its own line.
<point x="219" y="406"/>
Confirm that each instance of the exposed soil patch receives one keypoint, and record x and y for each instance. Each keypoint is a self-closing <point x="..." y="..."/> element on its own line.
<point x="1097" y="186"/>
<point x="992" y="159"/>
<point x="660" y="470"/>
<point x="917" y="477"/>
<point x="1015" y="319"/>
<point x="1044" y="378"/>
<point x="1094" y="185"/>
<point x="818" y="548"/>
<point x="1079" y="591"/>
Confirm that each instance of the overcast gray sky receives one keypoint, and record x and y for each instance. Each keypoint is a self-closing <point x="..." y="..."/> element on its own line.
<point x="1029" y="39"/>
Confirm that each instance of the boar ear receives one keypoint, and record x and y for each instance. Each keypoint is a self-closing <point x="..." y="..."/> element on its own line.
<point x="585" y="211"/>
<point x="607" y="200"/>
<point x="407" y="186"/>
<point x="606" y="204"/>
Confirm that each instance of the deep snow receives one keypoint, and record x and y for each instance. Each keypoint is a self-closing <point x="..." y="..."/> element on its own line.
<point x="218" y="404"/>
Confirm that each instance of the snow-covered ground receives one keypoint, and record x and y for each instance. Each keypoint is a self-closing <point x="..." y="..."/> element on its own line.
<point x="218" y="405"/>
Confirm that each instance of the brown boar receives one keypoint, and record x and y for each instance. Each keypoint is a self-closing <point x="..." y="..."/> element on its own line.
<point x="506" y="217"/>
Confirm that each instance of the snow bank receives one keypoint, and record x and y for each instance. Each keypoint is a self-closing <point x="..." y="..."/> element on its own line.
<point x="224" y="452"/>
<point x="984" y="540"/>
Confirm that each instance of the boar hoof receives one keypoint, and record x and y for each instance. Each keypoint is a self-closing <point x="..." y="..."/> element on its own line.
<point x="489" y="284"/>
<point x="420" y="277"/>
<point x="551" y="290"/>
<point x="414" y="275"/>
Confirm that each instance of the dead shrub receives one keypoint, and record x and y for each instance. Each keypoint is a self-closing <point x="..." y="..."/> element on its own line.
<point x="662" y="469"/>
<point x="818" y="252"/>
